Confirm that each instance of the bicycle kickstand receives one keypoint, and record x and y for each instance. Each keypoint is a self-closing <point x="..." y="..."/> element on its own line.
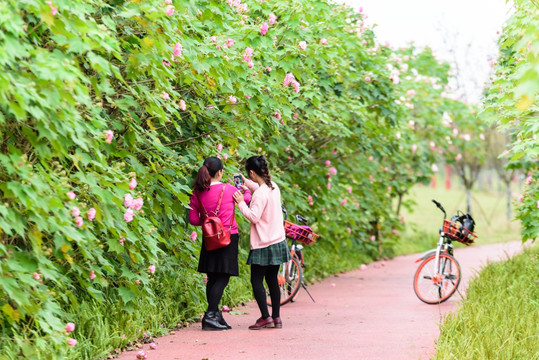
<point x="305" y="287"/>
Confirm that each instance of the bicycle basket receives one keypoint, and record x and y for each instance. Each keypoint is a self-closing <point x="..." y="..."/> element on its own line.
<point x="458" y="232"/>
<point x="300" y="233"/>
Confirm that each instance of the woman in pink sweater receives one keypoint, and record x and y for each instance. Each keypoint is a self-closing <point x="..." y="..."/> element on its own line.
<point x="222" y="263"/>
<point x="268" y="243"/>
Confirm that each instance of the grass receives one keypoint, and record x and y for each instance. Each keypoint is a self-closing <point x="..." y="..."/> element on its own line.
<point x="499" y="318"/>
<point x="423" y="223"/>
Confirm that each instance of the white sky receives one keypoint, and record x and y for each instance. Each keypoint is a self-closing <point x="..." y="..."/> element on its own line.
<point x="461" y="31"/>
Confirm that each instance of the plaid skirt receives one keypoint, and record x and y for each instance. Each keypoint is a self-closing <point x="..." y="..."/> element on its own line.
<point x="275" y="254"/>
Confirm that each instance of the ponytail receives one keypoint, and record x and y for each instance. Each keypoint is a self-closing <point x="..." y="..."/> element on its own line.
<point x="208" y="170"/>
<point x="260" y="166"/>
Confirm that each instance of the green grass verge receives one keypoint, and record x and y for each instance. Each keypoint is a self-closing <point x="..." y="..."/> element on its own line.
<point x="499" y="318"/>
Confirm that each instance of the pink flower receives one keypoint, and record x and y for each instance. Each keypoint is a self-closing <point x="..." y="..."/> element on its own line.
<point x="137" y="203"/>
<point x="363" y="267"/>
<point x="225" y="308"/>
<point x="133" y="183"/>
<point x="213" y="39"/>
<point x="333" y="171"/>
<point x="410" y="92"/>
<point x="264" y="28"/>
<point x="334" y="151"/>
<point x="141" y="355"/>
<point x="247" y="54"/>
<point x="349" y="230"/>
<point x="169" y="10"/>
<point x="367" y="78"/>
<point x="328" y="163"/>
<point x="414" y="148"/>
<point x="205" y="279"/>
<point x="232" y="99"/>
<point x="349" y="190"/>
<point x="166" y="63"/>
<point x="36" y="276"/>
<point x="302" y="45"/>
<point x="389" y="189"/>
<point x="250" y="64"/>
<point x="165" y="95"/>
<point x="71" y="342"/>
<point x="288" y="79"/>
<point x="122" y="240"/>
<point x="296" y="115"/>
<point x="296" y="86"/>
<point x="182" y="105"/>
<point x="75" y="212"/>
<point x="92" y="275"/>
<point x="109" y="135"/>
<point x="128" y="216"/>
<point x="71" y="195"/>
<point x="229" y="43"/>
<point x="272" y="18"/>
<point x="128" y="200"/>
<point x="395" y="231"/>
<point x="70" y="327"/>
<point x="151" y="269"/>
<point x="220" y="147"/>
<point x="54" y="9"/>
<point x="323" y="41"/>
<point x="137" y="282"/>
<point x="329" y="185"/>
<point x="529" y="180"/>
<point x="277" y="115"/>
<point x="193" y="236"/>
<point x="79" y="221"/>
<point x="371" y="178"/>
<point x="91" y="214"/>
<point x="373" y="238"/>
<point x="343" y="202"/>
<point x="538" y="204"/>
<point x="371" y="158"/>
<point x="178" y="48"/>
<point x="458" y="157"/>
<point x="152" y="345"/>
<point x="168" y="2"/>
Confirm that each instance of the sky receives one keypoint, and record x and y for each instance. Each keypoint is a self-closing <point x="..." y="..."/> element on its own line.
<point x="462" y="32"/>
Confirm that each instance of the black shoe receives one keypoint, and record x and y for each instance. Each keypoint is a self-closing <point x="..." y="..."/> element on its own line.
<point x="222" y="320"/>
<point x="210" y="321"/>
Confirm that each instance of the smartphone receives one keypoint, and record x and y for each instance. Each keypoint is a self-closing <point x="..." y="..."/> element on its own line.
<point x="238" y="181"/>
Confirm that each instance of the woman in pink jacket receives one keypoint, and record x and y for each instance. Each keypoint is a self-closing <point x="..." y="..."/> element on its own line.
<point x="222" y="263"/>
<point x="268" y="243"/>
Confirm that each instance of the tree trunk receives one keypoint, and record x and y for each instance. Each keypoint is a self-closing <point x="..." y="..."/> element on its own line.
<point x="469" y="200"/>
<point x="508" y="191"/>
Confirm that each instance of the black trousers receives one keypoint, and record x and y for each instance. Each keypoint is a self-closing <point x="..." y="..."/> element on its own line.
<point x="258" y="274"/>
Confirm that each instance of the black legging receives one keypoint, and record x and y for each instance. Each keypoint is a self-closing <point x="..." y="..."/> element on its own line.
<point x="269" y="272"/>
<point x="214" y="289"/>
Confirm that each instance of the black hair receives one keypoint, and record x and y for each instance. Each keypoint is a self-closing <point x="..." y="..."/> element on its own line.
<point x="260" y="166"/>
<point x="208" y="170"/>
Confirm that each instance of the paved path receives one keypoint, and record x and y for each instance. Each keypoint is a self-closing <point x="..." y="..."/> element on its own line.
<point x="370" y="314"/>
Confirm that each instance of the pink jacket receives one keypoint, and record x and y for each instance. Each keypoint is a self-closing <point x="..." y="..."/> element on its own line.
<point x="265" y="215"/>
<point x="209" y="199"/>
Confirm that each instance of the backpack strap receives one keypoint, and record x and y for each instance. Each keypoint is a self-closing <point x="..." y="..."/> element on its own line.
<point x="218" y="204"/>
<point x="220" y="199"/>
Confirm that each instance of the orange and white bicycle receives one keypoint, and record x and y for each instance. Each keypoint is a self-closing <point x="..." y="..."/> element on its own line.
<point x="438" y="276"/>
<point x="291" y="273"/>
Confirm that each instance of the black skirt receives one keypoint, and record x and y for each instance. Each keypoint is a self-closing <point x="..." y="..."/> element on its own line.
<point x="223" y="260"/>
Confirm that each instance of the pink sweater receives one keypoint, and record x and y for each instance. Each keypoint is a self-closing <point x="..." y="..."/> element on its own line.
<point x="265" y="215"/>
<point x="209" y="199"/>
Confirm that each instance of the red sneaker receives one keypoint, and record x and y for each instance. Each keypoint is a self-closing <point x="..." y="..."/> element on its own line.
<point x="262" y="323"/>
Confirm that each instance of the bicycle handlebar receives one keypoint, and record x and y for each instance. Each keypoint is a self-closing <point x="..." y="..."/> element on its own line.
<point x="440" y="207"/>
<point x="300" y="218"/>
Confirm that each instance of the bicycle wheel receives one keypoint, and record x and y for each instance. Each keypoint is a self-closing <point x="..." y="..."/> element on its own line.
<point x="435" y="287"/>
<point x="290" y="278"/>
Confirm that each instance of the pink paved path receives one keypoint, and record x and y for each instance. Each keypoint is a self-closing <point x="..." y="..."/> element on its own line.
<point x="371" y="314"/>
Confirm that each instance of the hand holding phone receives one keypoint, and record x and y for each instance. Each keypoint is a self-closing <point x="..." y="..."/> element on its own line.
<point x="238" y="181"/>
